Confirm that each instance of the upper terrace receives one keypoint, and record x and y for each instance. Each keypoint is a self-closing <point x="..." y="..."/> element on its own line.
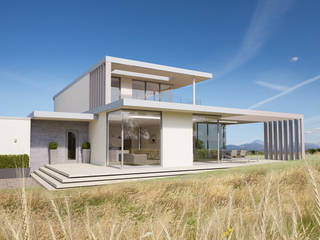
<point x="114" y="78"/>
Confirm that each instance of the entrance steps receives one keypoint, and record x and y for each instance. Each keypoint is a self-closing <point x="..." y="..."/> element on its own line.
<point x="54" y="179"/>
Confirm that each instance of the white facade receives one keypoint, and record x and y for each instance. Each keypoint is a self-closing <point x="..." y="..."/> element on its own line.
<point x="98" y="139"/>
<point x="75" y="98"/>
<point x="176" y="140"/>
<point x="14" y="135"/>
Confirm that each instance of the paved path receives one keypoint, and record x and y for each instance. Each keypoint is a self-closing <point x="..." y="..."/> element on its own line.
<point x="17" y="183"/>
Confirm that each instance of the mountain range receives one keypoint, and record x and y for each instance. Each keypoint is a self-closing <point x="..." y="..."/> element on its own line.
<point x="258" y="145"/>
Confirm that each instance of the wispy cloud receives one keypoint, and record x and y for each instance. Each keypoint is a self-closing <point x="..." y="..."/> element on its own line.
<point x="294" y="59"/>
<point x="263" y="23"/>
<point x="312" y="131"/>
<point x="271" y="85"/>
<point x="289" y="90"/>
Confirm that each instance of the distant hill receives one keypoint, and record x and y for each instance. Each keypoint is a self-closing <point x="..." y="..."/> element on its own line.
<point x="258" y="145"/>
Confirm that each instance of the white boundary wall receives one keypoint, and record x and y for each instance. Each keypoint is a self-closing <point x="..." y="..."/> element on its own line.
<point x="15" y="135"/>
<point x="75" y="98"/>
<point x="98" y="140"/>
<point x="176" y="140"/>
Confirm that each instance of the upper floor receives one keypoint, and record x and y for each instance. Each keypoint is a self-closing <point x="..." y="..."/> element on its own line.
<point x="114" y="78"/>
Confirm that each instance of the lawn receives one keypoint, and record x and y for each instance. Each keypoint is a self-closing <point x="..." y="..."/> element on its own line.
<point x="270" y="201"/>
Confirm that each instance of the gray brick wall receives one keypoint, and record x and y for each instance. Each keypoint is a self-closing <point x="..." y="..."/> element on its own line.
<point x="43" y="132"/>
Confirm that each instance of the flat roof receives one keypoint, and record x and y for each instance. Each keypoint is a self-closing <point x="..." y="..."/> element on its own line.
<point x="121" y="67"/>
<point x="232" y="115"/>
<point x="63" y="116"/>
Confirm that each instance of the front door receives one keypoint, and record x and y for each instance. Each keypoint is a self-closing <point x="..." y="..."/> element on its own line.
<point x="72" y="142"/>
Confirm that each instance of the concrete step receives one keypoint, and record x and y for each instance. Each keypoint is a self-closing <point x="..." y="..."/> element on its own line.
<point x="127" y="171"/>
<point x="63" y="179"/>
<point x="42" y="182"/>
<point x="53" y="184"/>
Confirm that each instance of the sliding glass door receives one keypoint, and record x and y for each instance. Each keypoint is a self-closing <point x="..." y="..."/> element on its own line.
<point x="134" y="138"/>
<point x="208" y="138"/>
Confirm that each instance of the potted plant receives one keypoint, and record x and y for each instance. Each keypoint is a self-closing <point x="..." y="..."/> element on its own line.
<point x="86" y="152"/>
<point x="53" y="152"/>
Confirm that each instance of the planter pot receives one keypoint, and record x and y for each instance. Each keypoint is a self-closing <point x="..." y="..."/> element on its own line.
<point x="53" y="156"/>
<point x="14" y="172"/>
<point x="86" y="155"/>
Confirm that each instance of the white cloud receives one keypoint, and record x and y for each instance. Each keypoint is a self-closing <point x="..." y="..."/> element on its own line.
<point x="308" y="131"/>
<point x="294" y="59"/>
<point x="262" y="24"/>
<point x="271" y="85"/>
<point x="289" y="90"/>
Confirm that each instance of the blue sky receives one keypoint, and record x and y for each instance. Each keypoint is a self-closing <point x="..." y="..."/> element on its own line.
<point x="255" y="49"/>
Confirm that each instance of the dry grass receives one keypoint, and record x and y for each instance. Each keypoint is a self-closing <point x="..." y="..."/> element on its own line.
<point x="275" y="201"/>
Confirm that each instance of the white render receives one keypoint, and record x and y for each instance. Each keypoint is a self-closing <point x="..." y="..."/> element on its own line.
<point x="176" y="140"/>
<point x="65" y="116"/>
<point x="75" y="98"/>
<point x="14" y="135"/>
<point x="98" y="140"/>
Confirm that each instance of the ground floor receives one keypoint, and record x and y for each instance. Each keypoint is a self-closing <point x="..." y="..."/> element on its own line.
<point x="132" y="132"/>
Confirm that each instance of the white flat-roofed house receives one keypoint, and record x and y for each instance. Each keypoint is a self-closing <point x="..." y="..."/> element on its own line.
<point x="128" y="113"/>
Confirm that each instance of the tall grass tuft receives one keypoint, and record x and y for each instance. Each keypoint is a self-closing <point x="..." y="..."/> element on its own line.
<point x="276" y="201"/>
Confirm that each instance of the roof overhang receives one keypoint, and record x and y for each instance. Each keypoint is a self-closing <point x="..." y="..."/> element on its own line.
<point x="121" y="67"/>
<point x="62" y="116"/>
<point x="176" y="77"/>
<point x="228" y="115"/>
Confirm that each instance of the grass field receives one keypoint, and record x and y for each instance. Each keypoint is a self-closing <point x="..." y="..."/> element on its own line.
<point x="271" y="201"/>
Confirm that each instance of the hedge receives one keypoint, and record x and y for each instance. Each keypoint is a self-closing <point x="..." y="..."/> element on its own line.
<point x="14" y="161"/>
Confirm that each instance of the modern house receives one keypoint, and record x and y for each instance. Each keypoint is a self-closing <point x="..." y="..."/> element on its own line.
<point x="126" y="110"/>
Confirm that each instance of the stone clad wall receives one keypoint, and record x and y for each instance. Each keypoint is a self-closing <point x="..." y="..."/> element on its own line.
<point x="43" y="132"/>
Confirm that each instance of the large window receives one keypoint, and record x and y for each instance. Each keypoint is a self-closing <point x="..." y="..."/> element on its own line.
<point x="115" y="89"/>
<point x="206" y="131"/>
<point x="134" y="138"/>
<point x="138" y="89"/>
<point x="151" y="91"/>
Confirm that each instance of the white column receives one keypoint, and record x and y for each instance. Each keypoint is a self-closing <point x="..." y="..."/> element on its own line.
<point x="291" y="139"/>
<point x="122" y="140"/>
<point x="194" y="90"/>
<point x="266" y="154"/>
<point x="303" y="154"/>
<point x="275" y="142"/>
<point x="218" y="143"/>
<point x="296" y="138"/>
<point x="270" y="141"/>
<point x="108" y="83"/>
<point x="285" y="139"/>
<point x="280" y="140"/>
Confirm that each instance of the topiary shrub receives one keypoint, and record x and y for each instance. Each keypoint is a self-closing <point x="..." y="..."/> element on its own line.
<point x="86" y="145"/>
<point x="14" y="161"/>
<point x="53" y="146"/>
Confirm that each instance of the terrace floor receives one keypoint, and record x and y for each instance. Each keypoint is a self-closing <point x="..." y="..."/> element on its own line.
<point x="88" y="170"/>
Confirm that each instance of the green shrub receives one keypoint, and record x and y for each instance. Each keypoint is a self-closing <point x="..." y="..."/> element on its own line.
<point x="14" y="161"/>
<point x="203" y="153"/>
<point x="86" y="145"/>
<point x="53" y="145"/>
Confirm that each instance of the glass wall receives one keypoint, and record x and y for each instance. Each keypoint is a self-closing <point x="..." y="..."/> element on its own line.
<point x="115" y="138"/>
<point x="151" y="91"/>
<point x="206" y="131"/>
<point x="134" y="138"/>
